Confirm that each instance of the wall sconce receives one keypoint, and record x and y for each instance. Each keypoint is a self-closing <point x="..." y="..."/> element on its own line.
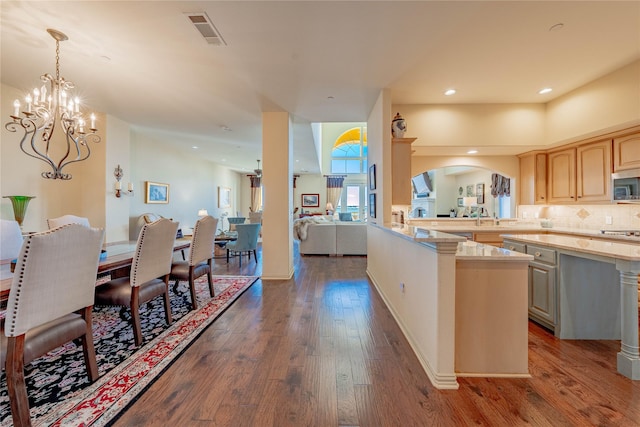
<point x="118" y="173"/>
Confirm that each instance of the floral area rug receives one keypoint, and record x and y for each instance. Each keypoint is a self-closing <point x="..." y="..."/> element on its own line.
<point x="59" y="391"/>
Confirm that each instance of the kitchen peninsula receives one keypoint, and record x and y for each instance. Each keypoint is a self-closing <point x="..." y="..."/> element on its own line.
<point x="597" y="291"/>
<point x="449" y="298"/>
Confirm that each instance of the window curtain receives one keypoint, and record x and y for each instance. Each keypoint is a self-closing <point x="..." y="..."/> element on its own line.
<point x="256" y="193"/>
<point x="500" y="185"/>
<point x="334" y="189"/>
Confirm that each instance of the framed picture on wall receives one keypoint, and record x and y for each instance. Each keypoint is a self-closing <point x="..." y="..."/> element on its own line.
<point x="460" y="201"/>
<point x="310" y="200"/>
<point x="480" y="193"/>
<point x="224" y="197"/>
<point x="157" y="192"/>
<point x="372" y="177"/>
<point x="372" y="205"/>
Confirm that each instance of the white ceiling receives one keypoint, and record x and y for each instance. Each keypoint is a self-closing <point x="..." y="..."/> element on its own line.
<point x="323" y="61"/>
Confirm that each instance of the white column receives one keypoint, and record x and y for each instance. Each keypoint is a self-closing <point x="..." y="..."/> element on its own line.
<point x="277" y="216"/>
<point x="629" y="356"/>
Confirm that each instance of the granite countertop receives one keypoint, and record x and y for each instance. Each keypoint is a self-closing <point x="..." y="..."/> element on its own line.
<point x="466" y="250"/>
<point x="514" y="226"/>
<point x="422" y="235"/>
<point x="609" y="249"/>
<point x="472" y="251"/>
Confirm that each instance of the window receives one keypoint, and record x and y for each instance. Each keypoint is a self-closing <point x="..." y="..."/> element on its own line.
<point x="349" y="153"/>
<point x="353" y="199"/>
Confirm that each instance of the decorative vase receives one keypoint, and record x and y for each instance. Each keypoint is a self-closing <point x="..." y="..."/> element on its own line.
<point x="398" y="126"/>
<point x="19" y="204"/>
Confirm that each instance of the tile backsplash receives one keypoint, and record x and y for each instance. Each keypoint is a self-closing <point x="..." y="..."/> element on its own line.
<point x="622" y="216"/>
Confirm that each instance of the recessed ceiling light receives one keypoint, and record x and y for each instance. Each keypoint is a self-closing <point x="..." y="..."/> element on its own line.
<point x="450" y="92"/>
<point x="195" y="147"/>
<point x="225" y="128"/>
<point x="472" y="151"/>
<point x="330" y="97"/>
<point x="545" y="90"/>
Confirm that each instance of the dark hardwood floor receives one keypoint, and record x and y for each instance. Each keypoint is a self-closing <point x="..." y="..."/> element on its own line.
<point x="323" y="350"/>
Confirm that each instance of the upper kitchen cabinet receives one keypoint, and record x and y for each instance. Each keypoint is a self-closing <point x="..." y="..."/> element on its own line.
<point x="401" y="171"/>
<point x="581" y="174"/>
<point x="533" y="178"/>
<point x="593" y="170"/>
<point x="562" y="176"/>
<point x="626" y="152"/>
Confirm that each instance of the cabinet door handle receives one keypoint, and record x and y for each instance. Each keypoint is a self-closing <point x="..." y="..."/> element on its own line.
<point x="538" y="254"/>
<point x="511" y="248"/>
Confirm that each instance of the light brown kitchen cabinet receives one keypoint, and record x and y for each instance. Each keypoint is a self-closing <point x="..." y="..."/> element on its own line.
<point x="581" y="174"/>
<point x="562" y="176"/>
<point x="593" y="172"/>
<point x="533" y="178"/>
<point x="626" y="152"/>
<point x="401" y="191"/>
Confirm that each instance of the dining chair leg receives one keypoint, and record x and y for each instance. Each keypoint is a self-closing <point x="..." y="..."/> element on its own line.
<point x="210" y="279"/>
<point x="192" y="288"/>
<point x="16" y="386"/>
<point x="167" y="302"/>
<point x="255" y="256"/>
<point x="135" y="315"/>
<point x="240" y="259"/>
<point x="227" y="256"/>
<point x="88" y="350"/>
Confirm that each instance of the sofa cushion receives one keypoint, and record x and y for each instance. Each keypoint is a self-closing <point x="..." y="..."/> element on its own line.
<point x="351" y="238"/>
<point x="320" y="240"/>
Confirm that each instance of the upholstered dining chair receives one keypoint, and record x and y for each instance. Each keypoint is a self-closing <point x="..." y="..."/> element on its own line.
<point x="200" y="260"/>
<point x="247" y="241"/>
<point x="235" y="220"/>
<point x="67" y="219"/>
<point x="50" y="304"/>
<point x="149" y="276"/>
<point x="10" y="239"/>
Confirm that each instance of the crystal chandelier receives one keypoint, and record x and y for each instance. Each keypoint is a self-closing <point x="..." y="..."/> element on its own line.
<point x="44" y="113"/>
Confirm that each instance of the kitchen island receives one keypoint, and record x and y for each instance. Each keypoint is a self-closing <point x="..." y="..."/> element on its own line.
<point x="463" y="308"/>
<point x="597" y="291"/>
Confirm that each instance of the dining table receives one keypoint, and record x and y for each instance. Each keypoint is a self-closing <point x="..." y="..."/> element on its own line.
<point x="116" y="262"/>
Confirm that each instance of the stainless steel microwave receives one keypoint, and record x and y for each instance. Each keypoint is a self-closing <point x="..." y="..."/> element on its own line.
<point x="626" y="186"/>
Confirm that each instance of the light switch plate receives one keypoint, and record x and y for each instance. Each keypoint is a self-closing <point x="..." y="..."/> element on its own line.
<point x="608" y="220"/>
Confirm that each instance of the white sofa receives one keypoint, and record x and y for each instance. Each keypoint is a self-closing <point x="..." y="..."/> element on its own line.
<point x="335" y="238"/>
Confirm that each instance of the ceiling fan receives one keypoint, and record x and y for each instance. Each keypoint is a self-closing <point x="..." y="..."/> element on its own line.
<point x="258" y="171"/>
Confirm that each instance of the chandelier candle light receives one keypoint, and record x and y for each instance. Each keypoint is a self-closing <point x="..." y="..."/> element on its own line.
<point x="44" y="112"/>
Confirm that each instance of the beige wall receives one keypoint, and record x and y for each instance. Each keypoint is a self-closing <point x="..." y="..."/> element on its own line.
<point x="379" y="147"/>
<point x="193" y="182"/>
<point x="609" y="103"/>
<point x="117" y="209"/>
<point x="478" y="125"/>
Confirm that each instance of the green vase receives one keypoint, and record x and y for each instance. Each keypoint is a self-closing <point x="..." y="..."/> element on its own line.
<point x="19" y="204"/>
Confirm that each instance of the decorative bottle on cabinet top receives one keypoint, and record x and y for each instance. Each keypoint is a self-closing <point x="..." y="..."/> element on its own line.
<point x="398" y="126"/>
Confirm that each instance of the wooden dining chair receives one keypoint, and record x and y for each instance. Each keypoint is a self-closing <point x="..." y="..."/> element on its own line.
<point x="200" y="260"/>
<point x="247" y="241"/>
<point x="149" y="276"/>
<point x="67" y="219"/>
<point x="50" y="304"/>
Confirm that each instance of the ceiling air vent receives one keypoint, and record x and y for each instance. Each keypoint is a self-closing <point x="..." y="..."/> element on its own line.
<point x="206" y="28"/>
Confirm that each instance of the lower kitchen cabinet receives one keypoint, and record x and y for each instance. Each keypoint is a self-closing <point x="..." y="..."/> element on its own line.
<point x="543" y="289"/>
<point x="542" y="294"/>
